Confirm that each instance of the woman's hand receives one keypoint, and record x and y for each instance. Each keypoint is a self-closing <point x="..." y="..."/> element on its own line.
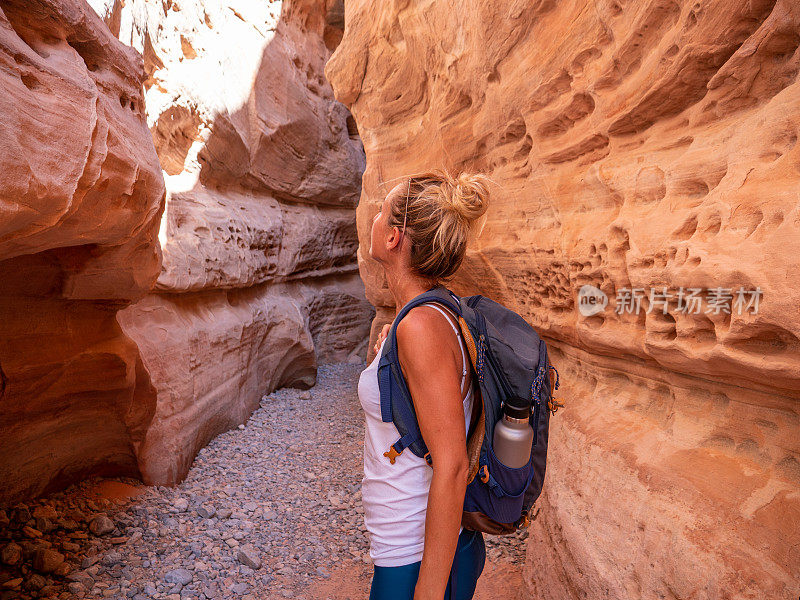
<point x="382" y="336"/>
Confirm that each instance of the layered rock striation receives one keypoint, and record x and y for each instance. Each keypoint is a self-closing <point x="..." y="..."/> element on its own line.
<point x="141" y="318"/>
<point x="259" y="279"/>
<point x="81" y="196"/>
<point x="635" y="147"/>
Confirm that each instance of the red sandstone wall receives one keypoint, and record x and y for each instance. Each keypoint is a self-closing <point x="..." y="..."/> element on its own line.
<point x="635" y="145"/>
<point x="81" y="195"/>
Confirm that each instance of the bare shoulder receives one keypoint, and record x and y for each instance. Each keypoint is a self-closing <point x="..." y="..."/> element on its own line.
<point x="421" y="324"/>
<point x="422" y="335"/>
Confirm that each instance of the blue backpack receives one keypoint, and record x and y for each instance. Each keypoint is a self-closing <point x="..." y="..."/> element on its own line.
<point x="510" y="364"/>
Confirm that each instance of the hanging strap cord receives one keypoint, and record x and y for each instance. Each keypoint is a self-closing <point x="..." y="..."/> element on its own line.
<point x="554" y="403"/>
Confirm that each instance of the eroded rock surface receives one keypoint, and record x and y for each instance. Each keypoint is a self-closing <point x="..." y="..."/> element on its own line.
<point x="263" y="172"/>
<point x="81" y="194"/>
<point x="635" y="145"/>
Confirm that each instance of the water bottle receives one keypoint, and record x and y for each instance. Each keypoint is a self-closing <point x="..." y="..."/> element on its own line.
<point x="513" y="437"/>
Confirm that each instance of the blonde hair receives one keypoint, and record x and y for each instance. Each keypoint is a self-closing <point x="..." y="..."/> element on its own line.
<point x="444" y="211"/>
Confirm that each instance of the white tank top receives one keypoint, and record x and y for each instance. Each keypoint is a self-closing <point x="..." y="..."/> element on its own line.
<point x="395" y="497"/>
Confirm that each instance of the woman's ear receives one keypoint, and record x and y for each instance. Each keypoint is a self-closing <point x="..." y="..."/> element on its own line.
<point x="394" y="238"/>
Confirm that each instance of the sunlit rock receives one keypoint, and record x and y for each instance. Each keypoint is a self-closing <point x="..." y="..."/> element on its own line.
<point x="635" y="145"/>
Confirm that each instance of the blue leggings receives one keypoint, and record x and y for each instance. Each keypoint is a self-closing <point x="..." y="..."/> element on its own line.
<point x="397" y="583"/>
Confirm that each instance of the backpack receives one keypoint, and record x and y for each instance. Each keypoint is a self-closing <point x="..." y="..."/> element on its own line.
<point x="509" y="362"/>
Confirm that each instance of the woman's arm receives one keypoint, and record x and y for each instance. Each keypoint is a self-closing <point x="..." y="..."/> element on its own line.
<point x="427" y="353"/>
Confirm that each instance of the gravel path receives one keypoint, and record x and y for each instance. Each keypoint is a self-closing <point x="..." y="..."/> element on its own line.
<point x="269" y="510"/>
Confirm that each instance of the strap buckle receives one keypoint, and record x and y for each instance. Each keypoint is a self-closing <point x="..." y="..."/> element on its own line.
<point x="554" y="404"/>
<point x="526" y="519"/>
<point x="392" y="454"/>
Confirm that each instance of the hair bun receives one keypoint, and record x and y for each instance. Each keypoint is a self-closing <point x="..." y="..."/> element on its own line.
<point x="443" y="211"/>
<point x="470" y="199"/>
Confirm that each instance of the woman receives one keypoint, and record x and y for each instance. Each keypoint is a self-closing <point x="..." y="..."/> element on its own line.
<point x="413" y="511"/>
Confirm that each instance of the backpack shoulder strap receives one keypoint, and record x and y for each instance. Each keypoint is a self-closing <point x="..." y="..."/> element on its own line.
<point x="396" y="404"/>
<point x="459" y="336"/>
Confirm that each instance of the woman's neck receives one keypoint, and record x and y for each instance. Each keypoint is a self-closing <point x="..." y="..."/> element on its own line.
<point x="405" y="286"/>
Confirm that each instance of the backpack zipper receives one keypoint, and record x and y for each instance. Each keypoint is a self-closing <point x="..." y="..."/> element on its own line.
<point x="485" y="340"/>
<point x="495" y="368"/>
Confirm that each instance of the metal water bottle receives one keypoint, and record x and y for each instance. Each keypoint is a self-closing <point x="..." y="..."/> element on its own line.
<point x="513" y="437"/>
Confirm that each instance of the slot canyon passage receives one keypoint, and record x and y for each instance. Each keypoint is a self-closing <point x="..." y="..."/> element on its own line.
<point x="186" y="195"/>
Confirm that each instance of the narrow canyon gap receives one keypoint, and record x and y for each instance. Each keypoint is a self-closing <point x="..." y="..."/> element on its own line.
<point x="259" y="279"/>
<point x="177" y="229"/>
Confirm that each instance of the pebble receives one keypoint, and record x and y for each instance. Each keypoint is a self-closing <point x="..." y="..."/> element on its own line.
<point x="101" y="525"/>
<point x="11" y="554"/>
<point x="323" y="572"/>
<point x="247" y="555"/>
<point x="46" y="560"/>
<point x="88" y="561"/>
<point x="182" y="576"/>
<point x="111" y="559"/>
<point x="76" y="589"/>
<point x="43" y="524"/>
<point x="31" y="532"/>
<point x="239" y="588"/>
<point x="21" y="514"/>
<point x="44" y="511"/>
<point x="36" y="582"/>
<point x="12" y="584"/>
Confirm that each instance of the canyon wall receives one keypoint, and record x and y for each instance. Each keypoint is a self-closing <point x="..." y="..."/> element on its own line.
<point x="81" y="196"/>
<point x="636" y="146"/>
<point x="259" y="279"/>
<point x="140" y="319"/>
